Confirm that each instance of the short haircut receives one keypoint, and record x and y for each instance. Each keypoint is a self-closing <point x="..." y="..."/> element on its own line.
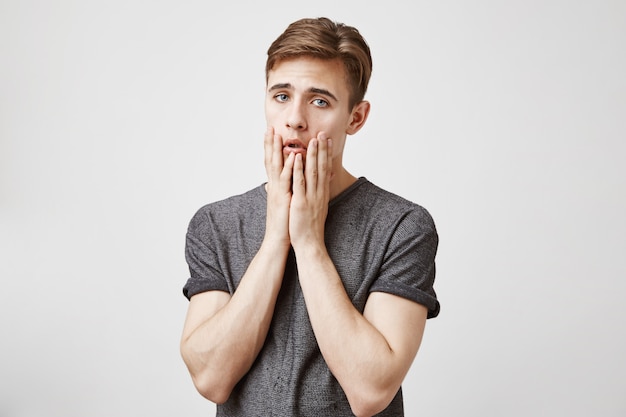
<point x="324" y="39"/>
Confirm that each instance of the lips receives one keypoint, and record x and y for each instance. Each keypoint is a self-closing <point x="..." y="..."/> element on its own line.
<point x="294" y="146"/>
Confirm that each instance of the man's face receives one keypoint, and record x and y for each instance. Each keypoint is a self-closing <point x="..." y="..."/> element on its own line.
<point x="306" y="96"/>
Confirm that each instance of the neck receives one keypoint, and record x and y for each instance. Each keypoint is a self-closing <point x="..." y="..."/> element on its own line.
<point x="340" y="182"/>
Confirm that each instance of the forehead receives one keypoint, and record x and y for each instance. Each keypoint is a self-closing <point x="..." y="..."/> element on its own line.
<point x="307" y="72"/>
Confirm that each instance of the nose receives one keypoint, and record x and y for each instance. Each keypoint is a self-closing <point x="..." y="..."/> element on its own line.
<point x="296" y="119"/>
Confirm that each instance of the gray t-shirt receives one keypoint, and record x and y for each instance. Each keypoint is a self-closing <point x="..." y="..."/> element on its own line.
<point x="377" y="240"/>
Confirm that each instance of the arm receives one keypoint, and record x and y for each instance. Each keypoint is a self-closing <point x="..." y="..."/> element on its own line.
<point x="368" y="353"/>
<point x="223" y="335"/>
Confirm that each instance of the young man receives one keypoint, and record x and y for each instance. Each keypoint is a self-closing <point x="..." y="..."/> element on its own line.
<point x="309" y="294"/>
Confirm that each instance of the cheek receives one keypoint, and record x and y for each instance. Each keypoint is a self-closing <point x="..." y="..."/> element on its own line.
<point x="272" y="112"/>
<point x="329" y="124"/>
<point x="269" y="115"/>
<point x="338" y="148"/>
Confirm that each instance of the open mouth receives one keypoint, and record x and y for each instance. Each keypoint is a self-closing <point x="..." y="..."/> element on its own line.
<point x="294" y="146"/>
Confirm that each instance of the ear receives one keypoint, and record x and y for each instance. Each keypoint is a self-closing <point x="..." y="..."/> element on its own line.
<point x="358" y="117"/>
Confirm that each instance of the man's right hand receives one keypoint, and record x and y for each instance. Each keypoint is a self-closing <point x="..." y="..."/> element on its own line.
<point x="279" y="178"/>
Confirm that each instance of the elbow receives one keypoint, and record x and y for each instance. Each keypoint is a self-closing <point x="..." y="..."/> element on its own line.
<point x="366" y="408"/>
<point x="214" y="392"/>
<point x="213" y="387"/>
<point x="370" y="402"/>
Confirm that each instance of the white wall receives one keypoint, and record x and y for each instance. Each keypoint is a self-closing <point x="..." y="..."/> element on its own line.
<point x="505" y="119"/>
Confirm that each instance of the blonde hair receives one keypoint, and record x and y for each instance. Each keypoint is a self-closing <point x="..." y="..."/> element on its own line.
<point x="324" y="39"/>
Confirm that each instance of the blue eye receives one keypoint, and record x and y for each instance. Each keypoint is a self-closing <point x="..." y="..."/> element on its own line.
<point x="281" y="97"/>
<point x="320" y="103"/>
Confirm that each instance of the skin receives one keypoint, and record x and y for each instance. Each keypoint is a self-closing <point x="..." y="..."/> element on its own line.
<point x="369" y="354"/>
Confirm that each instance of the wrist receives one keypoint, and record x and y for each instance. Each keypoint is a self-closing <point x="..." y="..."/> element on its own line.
<point x="309" y="249"/>
<point x="275" y="244"/>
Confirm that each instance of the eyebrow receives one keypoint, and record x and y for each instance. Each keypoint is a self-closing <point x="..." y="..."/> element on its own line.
<point x="315" y="90"/>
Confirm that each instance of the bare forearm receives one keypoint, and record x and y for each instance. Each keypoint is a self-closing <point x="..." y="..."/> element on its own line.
<point x="221" y="342"/>
<point x="221" y="348"/>
<point x="354" y="350"/>
<point x="366" y="365"/>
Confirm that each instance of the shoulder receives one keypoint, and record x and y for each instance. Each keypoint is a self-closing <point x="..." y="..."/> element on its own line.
<point x="370" y="199"/>
<point x="230" y="208"/>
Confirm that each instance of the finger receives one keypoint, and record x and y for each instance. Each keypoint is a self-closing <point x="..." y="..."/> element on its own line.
<point x="268" y="145"/>
<point x="287" y="171"/>
<point x="299" y="184"/>
<point x="322" y="158"/>
<point x="324" y="164"/>
<point x="273" y="153"/>
<point x="329" y="159"/>
<point x="311" y="167"/>
<point x="275" y="156"/>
